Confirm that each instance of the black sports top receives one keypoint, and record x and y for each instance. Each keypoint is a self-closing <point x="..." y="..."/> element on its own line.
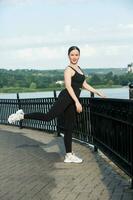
<point x="76" y="83"/>
<point x="77" y="78"/>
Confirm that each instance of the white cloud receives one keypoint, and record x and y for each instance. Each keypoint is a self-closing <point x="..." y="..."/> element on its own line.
<point x="16" y="2"/>
<point x="125" y="26"/>
<point x="101" y="44"/>
<point x="69" y="34"/>
<point x="56" y="57"/>
<point x="45" y="56"/>
<point x="115" y="50"/>
<point x="88" y="51"/>
<point x="29" y="2"/>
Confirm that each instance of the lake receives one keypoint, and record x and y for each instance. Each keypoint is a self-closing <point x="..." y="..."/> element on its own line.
<point x="120" y="93"/>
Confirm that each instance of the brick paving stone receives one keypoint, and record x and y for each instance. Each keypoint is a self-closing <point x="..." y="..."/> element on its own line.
<point x="32" y="168"/>
<point x="128" y="195"/>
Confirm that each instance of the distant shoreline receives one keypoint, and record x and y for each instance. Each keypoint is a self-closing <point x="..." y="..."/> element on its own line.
<point x="18" y="90"/>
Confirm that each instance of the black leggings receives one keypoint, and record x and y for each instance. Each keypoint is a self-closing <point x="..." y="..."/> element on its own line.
<point x="64" y="105"/>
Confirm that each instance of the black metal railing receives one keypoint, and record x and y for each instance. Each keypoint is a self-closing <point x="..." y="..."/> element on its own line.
<point x="112" y="130"/>
<point x="8" y="106"/>
<point x="82" y="130"/>
<point x="28" y="105"/>
<point x="105" y="123"/>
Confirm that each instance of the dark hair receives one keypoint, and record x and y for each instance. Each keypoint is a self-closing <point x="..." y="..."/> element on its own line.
<point x="73" y="48"/>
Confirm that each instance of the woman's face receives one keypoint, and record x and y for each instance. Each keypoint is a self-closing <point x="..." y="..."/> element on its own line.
<point x="74" y="56"/>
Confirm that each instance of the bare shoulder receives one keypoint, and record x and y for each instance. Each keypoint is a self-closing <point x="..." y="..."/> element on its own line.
<point x="68" y="71"/>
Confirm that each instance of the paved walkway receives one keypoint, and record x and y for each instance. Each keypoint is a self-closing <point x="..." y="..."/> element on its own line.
<point x="31" y="167"/>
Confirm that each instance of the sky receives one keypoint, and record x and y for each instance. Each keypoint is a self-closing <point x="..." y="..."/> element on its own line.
<point x="36" y="34"/>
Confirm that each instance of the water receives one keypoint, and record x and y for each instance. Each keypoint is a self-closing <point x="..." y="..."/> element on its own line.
<point x="119" y="93"/>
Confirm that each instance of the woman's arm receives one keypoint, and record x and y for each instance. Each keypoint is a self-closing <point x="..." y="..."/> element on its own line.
<point x="91" y="89"/>
<point x="67" y="80"/>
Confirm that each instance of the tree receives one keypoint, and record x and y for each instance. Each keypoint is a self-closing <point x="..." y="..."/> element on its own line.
<point x="95" y="79"/>
<point x="33" y="85"/>
<point x="110" y="83"/>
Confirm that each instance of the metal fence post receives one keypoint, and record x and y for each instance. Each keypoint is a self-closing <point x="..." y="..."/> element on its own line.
<point x="131" y="149"/>
<point x="130" y="90"/>
<point x="58" y="121"/>
<point x="55" y="95"/>
<point x="95" y="147"/>
<point x="92" y="94"/>
<point x="19" y="106"/>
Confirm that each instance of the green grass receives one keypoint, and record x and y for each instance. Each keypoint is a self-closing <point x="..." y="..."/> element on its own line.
<point x="107" y="86"/>
<point x="19" y="89"/>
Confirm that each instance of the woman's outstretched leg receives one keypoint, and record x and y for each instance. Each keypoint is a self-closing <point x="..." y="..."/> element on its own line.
<point x="58" y="107"/>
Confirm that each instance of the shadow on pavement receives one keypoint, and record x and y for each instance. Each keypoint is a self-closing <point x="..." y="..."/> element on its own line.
<point x="25" y="168"/>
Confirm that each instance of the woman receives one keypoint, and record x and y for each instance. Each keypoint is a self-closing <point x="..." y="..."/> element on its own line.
<point x="67" y="103"/>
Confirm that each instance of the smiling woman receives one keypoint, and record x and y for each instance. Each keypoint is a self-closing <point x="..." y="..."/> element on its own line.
<point x="67" y="103"/>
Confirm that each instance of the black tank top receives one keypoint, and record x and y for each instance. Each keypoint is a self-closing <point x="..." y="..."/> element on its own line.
<point x="76" y="83"/>
<point x="77" y="79"/>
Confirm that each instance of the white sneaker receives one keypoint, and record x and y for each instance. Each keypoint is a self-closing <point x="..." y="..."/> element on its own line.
<point x="72" y="158"/>
<point x="19" y="115"/>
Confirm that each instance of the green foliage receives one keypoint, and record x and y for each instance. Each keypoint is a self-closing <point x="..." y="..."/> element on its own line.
<point x="33" y="85"/>
<point x="95" y="79"/>
<point x="110" y="79"/>
<point x="31" y="80"/>
<point x="34" y="79"/>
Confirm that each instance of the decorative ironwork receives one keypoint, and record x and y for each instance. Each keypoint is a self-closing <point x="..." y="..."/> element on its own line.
<point x="105" y="123"/>
<point x="112" y="130"/>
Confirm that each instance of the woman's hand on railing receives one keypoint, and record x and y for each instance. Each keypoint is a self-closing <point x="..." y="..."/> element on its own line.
<point x="101" y="95"/>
